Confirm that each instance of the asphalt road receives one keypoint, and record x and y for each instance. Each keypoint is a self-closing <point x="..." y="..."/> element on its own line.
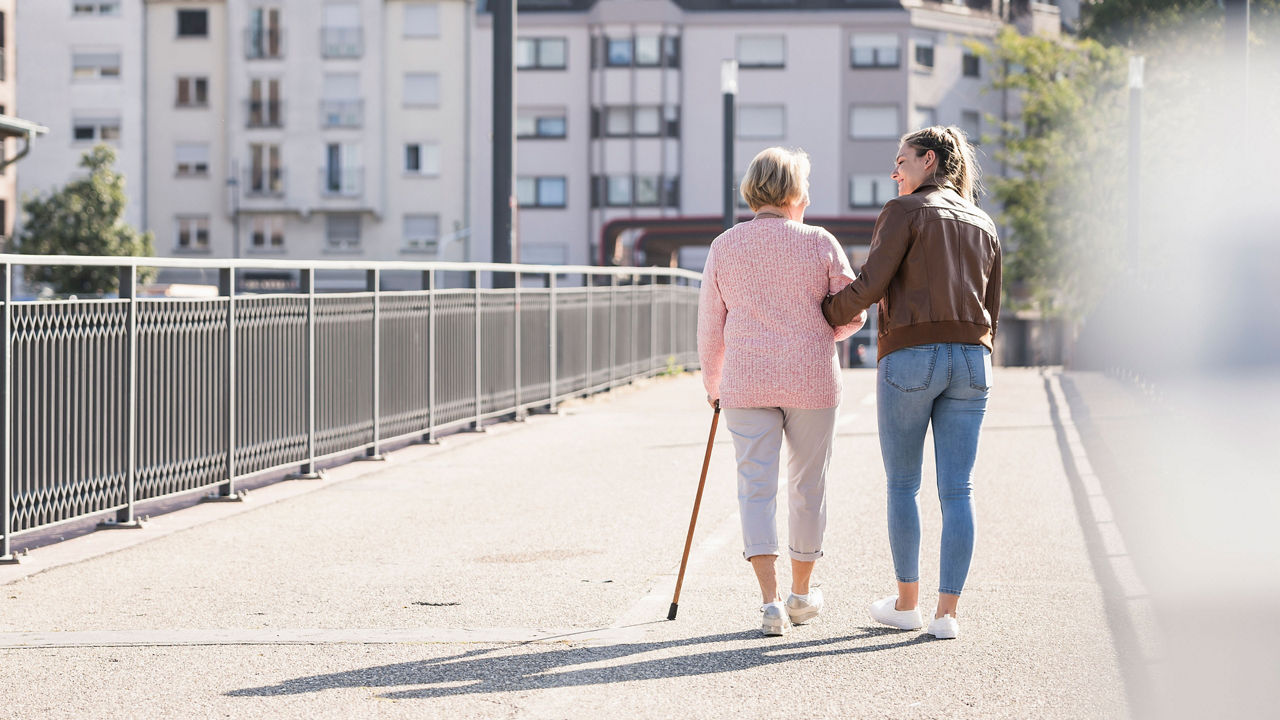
<point x="526" y="572"/>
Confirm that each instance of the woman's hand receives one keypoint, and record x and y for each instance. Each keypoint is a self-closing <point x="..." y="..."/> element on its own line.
<point x="713" y="402"/>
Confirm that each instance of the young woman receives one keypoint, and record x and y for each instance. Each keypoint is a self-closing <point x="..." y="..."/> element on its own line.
<point x="769" y="359"/>
<point x="934" y="269"/>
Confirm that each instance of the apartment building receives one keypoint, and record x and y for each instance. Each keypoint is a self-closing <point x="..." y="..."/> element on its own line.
<point x="80" y="73"/>
<point x="620" y="112"/>
<point x="264" y="128"/>
<point x="8" y="96"/>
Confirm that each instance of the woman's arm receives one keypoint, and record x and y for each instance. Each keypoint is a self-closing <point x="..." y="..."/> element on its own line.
<point x="711" y="315"/>
<point x="888" y="246"/>
<point x="839" y="276"/>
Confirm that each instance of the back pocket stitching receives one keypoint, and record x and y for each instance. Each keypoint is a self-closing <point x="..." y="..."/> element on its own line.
<point x="967" y="352"/>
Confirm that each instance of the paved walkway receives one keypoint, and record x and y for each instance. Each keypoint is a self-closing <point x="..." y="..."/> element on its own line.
<point x="526" y="572"/>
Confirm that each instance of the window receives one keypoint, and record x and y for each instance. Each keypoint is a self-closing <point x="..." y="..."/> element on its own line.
<point x="618" y="52"/>
<point x="422" y="158"/>
<point x="648" y="51"/>
<point x="541" y="192"/>
<point x="95" y="129"/>
<point x="265" y="108"/>
<point x="879" y="50"/>
<point x="266" y="177"/>
<point x="421" y="89"/>
<point x="540" y="123"/>
<point x="924" y="53"/>
<point x="972" y="66"/>
<point x="193" y="92"/>
<point x="342" y="231"/>
<point x="618" y="190"/>
<point x="341" y="105"/>
<point x="192" y="232"/>
<point x="761" y="51"/>
<point x="193" y="23"/>
<point x="341" y="35"/>
<point x="971" y="123"/>
<point x="871" y="191"/>
<point x="422" y="20"/>
<point x="192" y="159"/>
<point x="638" y="121"/>
<point x="874" y="122"/>
<point x="541" y="53"/>
<point x="421" y="233"/>
<point x="758" y="122"/>
<point x="343" y="175"/>
<point x="266" y="232"/>
<point x="101" y="7"/>
<point x="924" y="117"/>
<point x="634" y="190"/>
<point x="95" y="65"/>
<point x="263" y="38"/>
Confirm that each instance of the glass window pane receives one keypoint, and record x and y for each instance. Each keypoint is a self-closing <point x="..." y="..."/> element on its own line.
<point x="619" y="190"/>
<point x="617" y="120"/>
<point x="551" y="126"/>
<point x="526" y="53"/>
<point x="874" y="122"/>
<point x="648" y="121"/>
<point x="526" y="192"/>
<point x="551" y="52"/>
<point x="761" y="51"/>
<point x="412" y="157"/>
<point x="526" y="125"/>
<point x="619" y="52"/>
<point x="647" y="190"/>
<point x="551" y="192"/>
<point x="648" y="50"/>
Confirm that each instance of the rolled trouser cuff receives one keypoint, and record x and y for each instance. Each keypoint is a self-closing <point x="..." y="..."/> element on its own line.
<point x="804" y="556"/>
<point x="754" y="550"/>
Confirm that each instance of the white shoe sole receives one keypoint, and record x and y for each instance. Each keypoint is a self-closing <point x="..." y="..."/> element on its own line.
<point x="774" y="630"/>
<point x="943" y="631"/>
<point x="901" y="619"/>
<point x="804" y="615"/>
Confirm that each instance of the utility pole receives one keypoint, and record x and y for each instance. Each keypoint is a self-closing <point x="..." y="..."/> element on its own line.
<point x="504" y="141"/>
<point x="729" y="86"/>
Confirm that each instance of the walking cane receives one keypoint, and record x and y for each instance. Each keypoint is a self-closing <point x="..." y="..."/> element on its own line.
<point x="675" y="599"/>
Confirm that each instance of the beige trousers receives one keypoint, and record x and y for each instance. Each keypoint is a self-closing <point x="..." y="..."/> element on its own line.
<point x="757" y="441"/>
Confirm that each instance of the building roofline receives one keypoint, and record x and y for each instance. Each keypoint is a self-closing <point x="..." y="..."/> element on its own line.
<point x="17" y="127"/>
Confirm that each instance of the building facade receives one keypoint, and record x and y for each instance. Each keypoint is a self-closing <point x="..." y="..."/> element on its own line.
<point x="8" y="103"/>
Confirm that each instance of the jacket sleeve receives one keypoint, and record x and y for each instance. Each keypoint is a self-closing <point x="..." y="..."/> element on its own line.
<point x="839" y="276"/>
<point x="992" y="299"/>
<point x="711" y="316"/>
<point x="889" y="242"/>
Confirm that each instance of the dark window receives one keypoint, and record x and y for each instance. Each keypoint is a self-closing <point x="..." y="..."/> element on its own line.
<point x="551" y="127"/>
<point x="413" y="157"/>
<point x="1" y="31"/>
<point x="193" y="23"/>
<point x="618" y="53"/>
<point x="84" y="132"/>
<point x="924" y="55"/>
<point x="971" y="66"/>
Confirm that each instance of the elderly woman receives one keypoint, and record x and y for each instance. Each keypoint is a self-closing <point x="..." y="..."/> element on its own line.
<point x="769" y="359"/>
<point x="934" y="269"/>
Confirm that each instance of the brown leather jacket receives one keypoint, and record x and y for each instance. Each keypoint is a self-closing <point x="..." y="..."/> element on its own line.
<point x="934" y="267"/>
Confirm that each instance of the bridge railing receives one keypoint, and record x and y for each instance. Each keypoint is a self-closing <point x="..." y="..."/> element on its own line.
<point x="111" y="402"/>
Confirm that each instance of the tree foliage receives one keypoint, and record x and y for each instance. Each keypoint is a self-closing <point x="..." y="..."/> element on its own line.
<point x="1063" y="158"/>
<point x="84" y="217"/>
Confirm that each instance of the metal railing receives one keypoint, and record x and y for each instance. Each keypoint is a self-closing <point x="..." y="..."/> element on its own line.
<point x="111" y="402"/>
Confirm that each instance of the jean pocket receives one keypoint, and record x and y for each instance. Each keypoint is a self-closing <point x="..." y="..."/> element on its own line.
<point x="978" y="358"/>
<point x="911" y="368"/>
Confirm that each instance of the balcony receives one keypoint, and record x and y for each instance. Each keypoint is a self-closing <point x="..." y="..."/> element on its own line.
<point x="342" y="182"/>
<point x="342" y="42"/>
<point x="263" y="44"/>
<point x="264" y="182"/>
<point x="264" y="114"/>
<point x="341" y="113"/>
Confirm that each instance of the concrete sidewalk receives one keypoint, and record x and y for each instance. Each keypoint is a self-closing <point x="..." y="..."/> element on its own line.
<point x="526" y="572"/>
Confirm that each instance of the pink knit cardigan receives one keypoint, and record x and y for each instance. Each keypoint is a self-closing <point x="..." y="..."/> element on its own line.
<point x="761" y="336"/>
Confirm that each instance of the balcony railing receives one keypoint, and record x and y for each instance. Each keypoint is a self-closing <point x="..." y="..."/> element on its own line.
<point x="341" y="113"/>
<point x="342" y="42"/>
<point x="264" y="113"/>
<point x="264" y="182"/>
<point x="114" y="402"/>
<point x="342" y="181"/>
<point x="263" y="43"/>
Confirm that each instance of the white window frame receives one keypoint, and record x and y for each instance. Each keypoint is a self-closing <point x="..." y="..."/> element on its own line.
<point x="428" y="159"/>
<point x="918" y="44"/>
<point x="426" y="84"/>
<point x="191" y="159"/>
<point x="192" y="82"/>
<point x="100" y="126"/>
<point x="342" y="244"/>
<point x="530" y="190"/>
<point x="89" y="65"/>
<point x="532" y="53"/>
<point x="875" y="189"/>
<point x="529" y="123"/>
<point x="271" y="229"/>
<point x="749" y="115"/>
<point x="193" y="226"/>
<point x="103" y="8"/>
<point x="893" y="134"/>
<point x="765" y="60"/>
<point x="425" y="26"/>
<point x="420" y="233"/>
<point x="879" y="46"/>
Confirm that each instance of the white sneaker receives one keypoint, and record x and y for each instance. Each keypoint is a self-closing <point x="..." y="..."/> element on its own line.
<point x="803" y="610"/>
<point x="775" y="620"/>
<point x="944" y="628"/>
<point x="882" y="611"/>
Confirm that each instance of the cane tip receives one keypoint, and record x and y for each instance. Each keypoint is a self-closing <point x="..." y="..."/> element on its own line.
<point x="671" y="614"/>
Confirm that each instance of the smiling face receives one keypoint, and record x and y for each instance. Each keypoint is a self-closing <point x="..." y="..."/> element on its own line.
<point x="910" y="170"/>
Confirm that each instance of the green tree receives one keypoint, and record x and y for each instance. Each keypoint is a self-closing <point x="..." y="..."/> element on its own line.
<point x="1061" y="192"/>
<point x="85" y="217"/>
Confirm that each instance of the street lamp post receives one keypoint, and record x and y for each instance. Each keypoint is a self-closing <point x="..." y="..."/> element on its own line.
<point x="504" y="21"/>
<point x="728" y="86"/>
<point x="1136" y="65"/>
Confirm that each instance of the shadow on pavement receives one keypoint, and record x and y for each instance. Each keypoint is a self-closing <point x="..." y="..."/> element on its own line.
<point x="471" y="672"/>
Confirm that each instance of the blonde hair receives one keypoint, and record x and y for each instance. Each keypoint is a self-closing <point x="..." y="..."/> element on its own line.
<point x="956" y="166"/>
<point x="776" y="176"/>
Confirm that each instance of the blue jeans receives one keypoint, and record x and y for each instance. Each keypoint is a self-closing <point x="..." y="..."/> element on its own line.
<point x="945" y="384"/>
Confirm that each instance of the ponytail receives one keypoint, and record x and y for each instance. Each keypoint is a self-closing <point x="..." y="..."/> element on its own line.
<point x="957" y="166"/>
